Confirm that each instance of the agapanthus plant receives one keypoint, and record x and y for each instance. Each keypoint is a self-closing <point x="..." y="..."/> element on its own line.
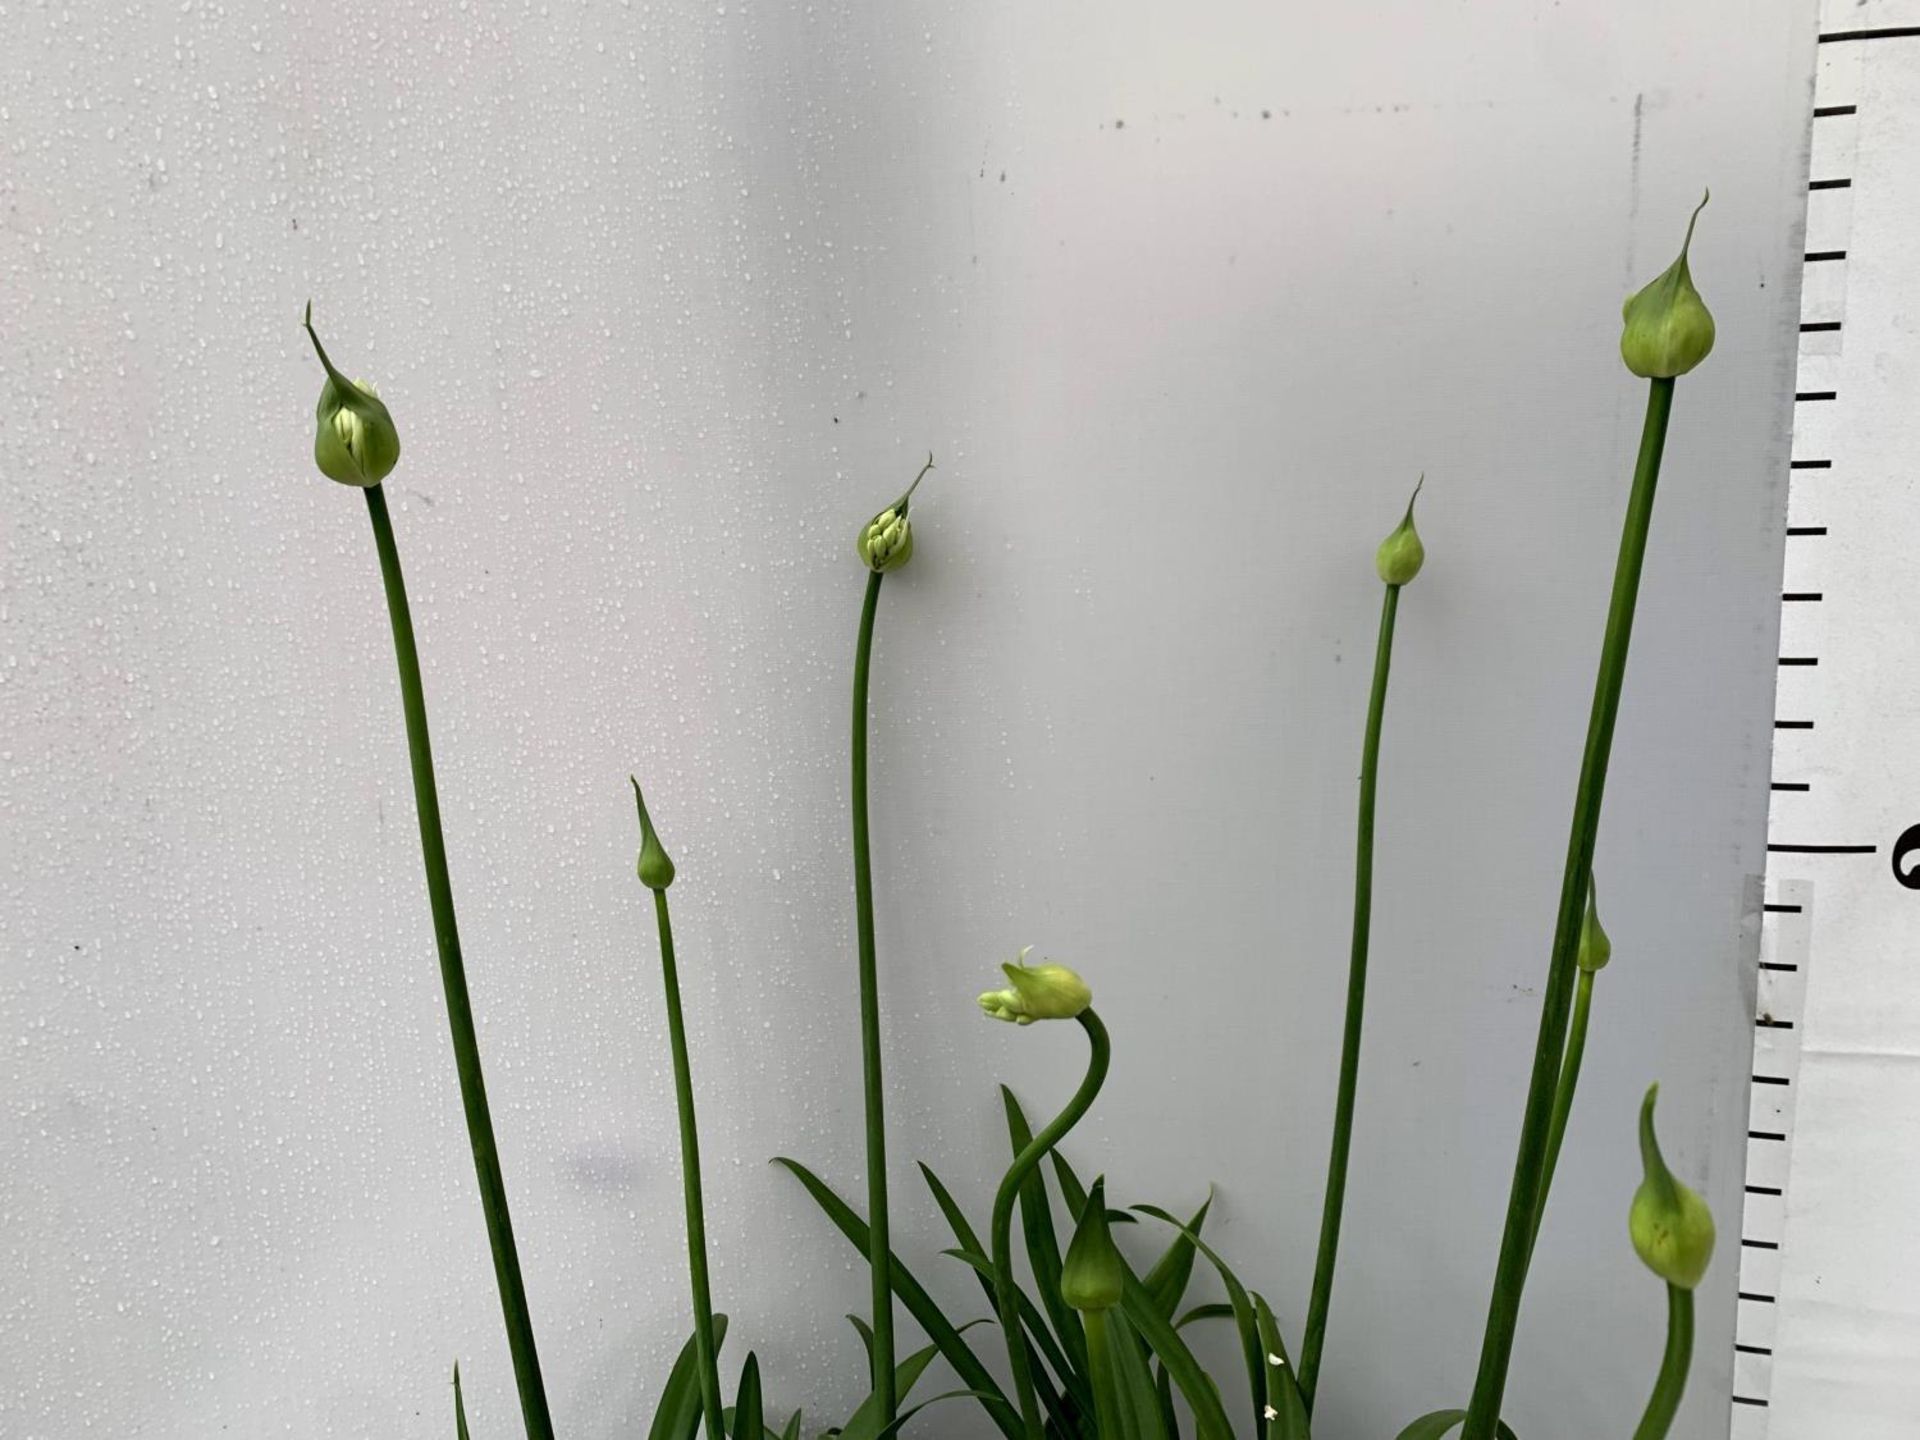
<point x="1093" y="1348"/>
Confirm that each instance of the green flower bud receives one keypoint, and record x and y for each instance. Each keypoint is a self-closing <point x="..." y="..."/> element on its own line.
<point x="1668" y="330"/>
<point x="355" y="442"/>
<point x="655" y="867"/>
<point x="1595" y="948"/>
<point x="1037" y="992"/>
<point x="886" y="541"/>
<point x="1671" y="1226"/>
<point x="1401" y="554"/>
<point x="1093" y="1276"/>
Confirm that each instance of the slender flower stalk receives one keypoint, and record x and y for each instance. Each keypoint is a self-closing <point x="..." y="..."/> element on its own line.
<point x="1006" y="1292"/>
<point x="453" y="979"/>
<point x="656" y="873"/>
<point x="357" y="444"/>
<point x="1667" y="331"/>
<point x="1671" y="1383"/>
<point x="1400" y="558"/>
<point x="1523" y="1201"/>
<point x="885" y="543"/>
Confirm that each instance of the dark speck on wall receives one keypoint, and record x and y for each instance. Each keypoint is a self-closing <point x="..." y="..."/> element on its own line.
<point x="1119" y="124"/>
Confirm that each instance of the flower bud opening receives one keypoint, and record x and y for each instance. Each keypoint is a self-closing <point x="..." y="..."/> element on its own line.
<point x="655" y="866"/>
<point x="1401" y="554"/>
<point x="1668" y="328"/>
<point x="1671" y="1227"/>
<point x="1093" y="1276"/>
<point x="355" y="441"/>
<point x="1595" y="948"/>
<point x="886" y="541"/>
<point x="1037" y="992"/>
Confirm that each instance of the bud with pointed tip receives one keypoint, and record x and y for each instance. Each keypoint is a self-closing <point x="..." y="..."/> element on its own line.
<point x="1093" y="1276"/>
<point x="1672" y="1228"/>
<point x="1595" y="948"/>
<point x="355" y="441"/>
<point x="1668" y="329"/>
<point x="1037" y="992"/>
<point x="655" y="867"/>
<point x="1401" y="554"/>
<point x="886" y="541"/>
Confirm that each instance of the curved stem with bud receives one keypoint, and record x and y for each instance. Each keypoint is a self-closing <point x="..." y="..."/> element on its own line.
<point x="1006" y="1292"/>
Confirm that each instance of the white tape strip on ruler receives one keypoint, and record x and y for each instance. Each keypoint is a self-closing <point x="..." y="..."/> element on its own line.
<point x="1829" y="1325"/>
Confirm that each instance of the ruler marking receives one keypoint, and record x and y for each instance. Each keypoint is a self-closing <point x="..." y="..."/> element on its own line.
<point x="1885" y="32"/>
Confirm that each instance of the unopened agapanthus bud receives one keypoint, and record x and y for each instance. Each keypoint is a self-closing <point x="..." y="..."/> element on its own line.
<point x="1668" y="329"/>
<point x="1595" y="948"/>
<point x="355" y="441"/>
<point x="1037" y="992"/>
<point x="1093" y="1276"/>
<point x="1401" y="554"/>
<point x="886" y="541"/>
<point x="655" y="866"/>
<point x="1671" y="1226"/>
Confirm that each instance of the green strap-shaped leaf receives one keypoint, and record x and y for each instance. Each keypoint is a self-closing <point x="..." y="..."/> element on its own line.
<point x="920" y="1305"/>
<point x="1138" y="1401"/>
<point x="792" y="1432"/>
<point x="867" y="1422"/>
<point x="459" y="1406"/>
<point x="1043" y="1245"/>
<point x="677" y="1416"/>
<point x="1211" y="1310"/>
<point x="865" y="1332"/>
<point x="1245" y="1320"/>
<point x="1173" y="1272"/>
<point x="1288" y="1420"/>
<point x="907" y="1414"/>
<point x="1441" y="1422"/>
<point x="748" y="1423"/>
<point x="1144" y="1317"/>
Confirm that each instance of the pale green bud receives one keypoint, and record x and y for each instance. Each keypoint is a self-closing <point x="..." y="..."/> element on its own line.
<point x="655" y="867"/>
<point x="1668" y="330"/>
<point x="1093" y="1276"/>
<point x="1401" y="554"/>
<point x="354" y="441"/>
<point x="1037" y="992"/>
<point x="1595" y="948"/>
<point x="1671" y="1226"/>
<point x="886" y="541"/>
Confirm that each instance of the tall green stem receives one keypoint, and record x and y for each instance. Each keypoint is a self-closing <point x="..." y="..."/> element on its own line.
<point x="705" y="1350"/>
<point x="1563" y="1093"/>
<point x="1106" y="1399"/>
<point x="1523" y="1201"/>
<point x="453" y="979"/>
<point x="1664" y="1403"/>
<point x="879" y="1238"/>
<point x="1315" y="1335"/>
<point x="1006" y="1292"/>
